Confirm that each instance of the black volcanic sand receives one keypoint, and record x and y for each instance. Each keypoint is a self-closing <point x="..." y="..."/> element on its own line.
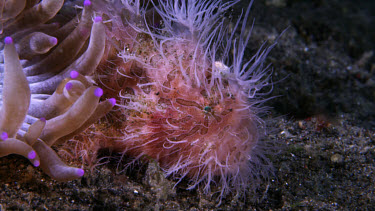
<point x="324" y="69"/>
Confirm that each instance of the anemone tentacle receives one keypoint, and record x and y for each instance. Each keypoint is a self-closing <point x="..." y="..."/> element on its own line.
<point x="44" y="99"/>
<point x="65" y="51"/>
<point x="40" y="13"/>
<point x="34" y="44"/>
<point x="15" y="91"/>
<point x="85" y="64"/>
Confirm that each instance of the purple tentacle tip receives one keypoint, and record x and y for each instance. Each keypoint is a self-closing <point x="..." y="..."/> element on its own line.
<point x="31" y="155"/>
<point x="98" y="19"/>
<point x="53" y="40"/>
<point x="112" y="101"/>
<point x="8" y="40"/>
<point x="80" y="172"/>
<point x="74" y="74"/>
<point x="43" y="119"/>
<point x="68" y="86"/>
<point x="98" y="92"/>
<point x="87" y="3"/>
<point x="4" y="136"/>
<point x="36" y="163"/>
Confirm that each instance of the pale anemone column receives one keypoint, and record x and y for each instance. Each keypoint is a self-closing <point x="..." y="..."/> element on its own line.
<point x="48" y="96"/>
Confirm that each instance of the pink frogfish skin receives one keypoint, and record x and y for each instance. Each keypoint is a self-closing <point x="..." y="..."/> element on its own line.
<point x="187" y="97"/>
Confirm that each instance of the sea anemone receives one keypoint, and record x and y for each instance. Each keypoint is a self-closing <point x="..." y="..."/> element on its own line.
<point x="46" y="97"/>
<point x="187" y="97"/>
